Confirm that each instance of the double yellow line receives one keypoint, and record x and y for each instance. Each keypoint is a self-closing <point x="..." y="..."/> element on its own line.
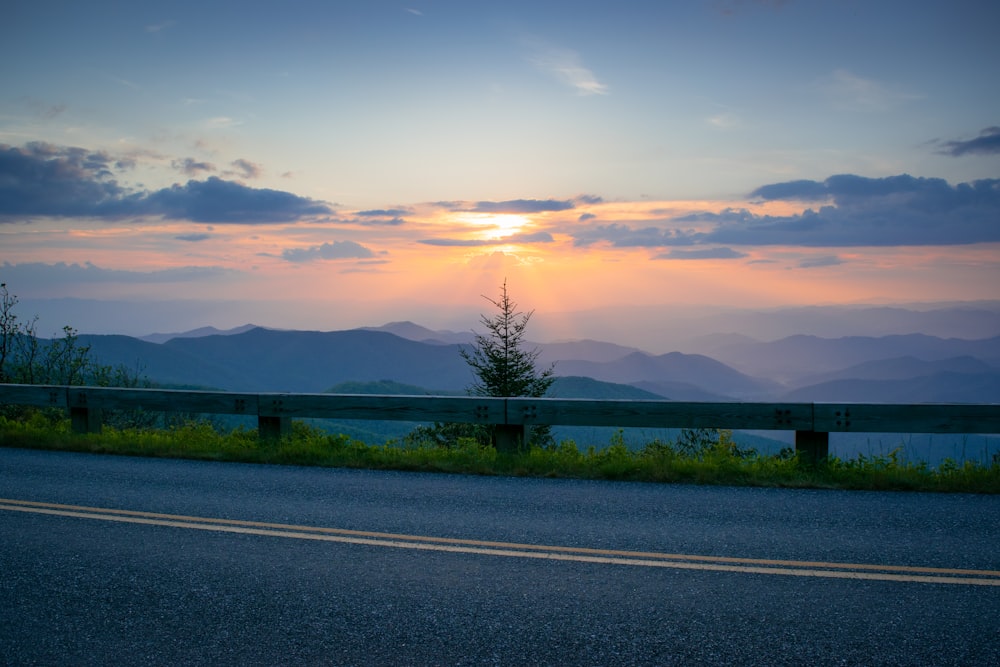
<point x="903" y="573"/>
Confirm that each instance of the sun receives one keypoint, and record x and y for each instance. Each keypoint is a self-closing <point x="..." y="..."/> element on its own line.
<point x="509" y="224"/>
<point x="494" y="226"/>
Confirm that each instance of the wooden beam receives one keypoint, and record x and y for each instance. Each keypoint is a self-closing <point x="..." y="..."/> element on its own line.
<point x="465" y="409"/>
<point x="807" y="419"/>
<point x="662" y="414"/>
<point x="892" y="418"/>
<point x="171" y="400"/>
<point x="43" y="396"/>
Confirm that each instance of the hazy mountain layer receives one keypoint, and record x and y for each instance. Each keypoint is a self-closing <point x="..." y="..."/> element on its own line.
<point x="910" y="368"/>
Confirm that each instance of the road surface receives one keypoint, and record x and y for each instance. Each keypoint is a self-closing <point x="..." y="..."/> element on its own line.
<point x="113" y="560"/>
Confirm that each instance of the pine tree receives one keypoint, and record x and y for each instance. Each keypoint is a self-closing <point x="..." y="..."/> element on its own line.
<point x="501" y="364"/>
<point x="505" y="369"/>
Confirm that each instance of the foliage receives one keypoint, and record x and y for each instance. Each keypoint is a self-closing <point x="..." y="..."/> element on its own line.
<point x="27" y="359"/>
<point x="448" y="434"/>
<point x="719" y="462"/>
<point x="499" y="361"/>
<point x="503" y="368"/>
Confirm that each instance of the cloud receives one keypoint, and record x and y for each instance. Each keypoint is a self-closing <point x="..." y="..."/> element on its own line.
<point x="844" y="189"/>
<point x="855" y="93"/>
<point x="565" y="65"/>
<point x="707" y="253"/>
<point x="796" y="190"/>
<point x="42" y="179"/>
<point x="521" y="206"/>
<point x="193" y="237"/>
<point x="584" y="217"/>
<point x="43" y="109"/>
<point x="335" y="250"/>
<point x="893" y="211"/>
<point x="987" y="143"/>
<point x="896" y="210"/>
<point x="381" y="222"/>
<point x="526" y="238"/>
<point x="39" y="274"/>
<point x="216" y="200"/>
<point x="818" y="262"/>
<point x="245" y="168"/>
<point x="45" y="180"/>
<point x="390" y="217"/>
<point x="221" y="122"/>
<point x="384" y="213"/>
<point x="623" y="236"/>
<point x="725" y="120"/>
<point x="192" y="167"/>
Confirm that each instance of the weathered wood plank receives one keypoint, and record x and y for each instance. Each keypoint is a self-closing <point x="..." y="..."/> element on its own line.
<point x="469" y="409"/>
<point x="52" y="396"/>
<point x="663" y="414"/>
<point x="164" y="400"/>
<point x="85" y="404"/>
<point x="891" y="418"/>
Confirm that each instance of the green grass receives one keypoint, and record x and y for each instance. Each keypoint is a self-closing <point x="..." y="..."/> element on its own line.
<point x="719" y="463"/>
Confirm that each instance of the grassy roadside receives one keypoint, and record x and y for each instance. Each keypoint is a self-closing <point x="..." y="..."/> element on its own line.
<point x="720" y="464"/>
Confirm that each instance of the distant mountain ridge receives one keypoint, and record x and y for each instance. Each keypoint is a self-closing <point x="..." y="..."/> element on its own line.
<point x="415" y="332"/>
<point x="789" y="359"/>
<point x="698" y="370"/>
<point x="883" y="369"/>
<point x="903" y="368"/>
<point x="946" y="387"/>
<point x="201" y="332"/>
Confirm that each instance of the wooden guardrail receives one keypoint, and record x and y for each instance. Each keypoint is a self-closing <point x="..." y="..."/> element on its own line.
<point x="812" y="422"/>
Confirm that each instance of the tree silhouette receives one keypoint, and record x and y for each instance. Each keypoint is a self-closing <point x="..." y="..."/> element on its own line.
<point x="499" y="361"/>
<point x="504" y="368"/>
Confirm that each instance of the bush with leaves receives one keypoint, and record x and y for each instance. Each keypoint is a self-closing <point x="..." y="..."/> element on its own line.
<point x="27" y="359"/>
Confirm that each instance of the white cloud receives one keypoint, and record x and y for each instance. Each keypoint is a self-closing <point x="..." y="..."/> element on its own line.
<point x="850" y="91"/>
<point x="221" y="122"/>
<point x="725" y="120"/>
<point x="566" y="66"/>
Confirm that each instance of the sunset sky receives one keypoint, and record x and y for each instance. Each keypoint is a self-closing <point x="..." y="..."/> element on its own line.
<point x="333" y="164"/>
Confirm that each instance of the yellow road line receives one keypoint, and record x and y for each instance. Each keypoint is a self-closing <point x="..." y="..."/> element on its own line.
<point x="510" y="549"/>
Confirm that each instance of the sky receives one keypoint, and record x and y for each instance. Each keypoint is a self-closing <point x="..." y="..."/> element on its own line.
<point x="334" y="164"/>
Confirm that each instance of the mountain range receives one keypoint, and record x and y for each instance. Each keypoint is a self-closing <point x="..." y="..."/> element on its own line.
<point x="895" y="368"/>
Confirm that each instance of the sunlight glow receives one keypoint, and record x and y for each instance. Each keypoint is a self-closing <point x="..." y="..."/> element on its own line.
<point x="496" y="225"/>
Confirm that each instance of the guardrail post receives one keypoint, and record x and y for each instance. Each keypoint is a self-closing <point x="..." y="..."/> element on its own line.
<point x="84" y="415"/>
<point x="272" y="429"/>
<point x="272" y="424"/>
<point x="508" y="437"/>
<point x="812" y="446"/>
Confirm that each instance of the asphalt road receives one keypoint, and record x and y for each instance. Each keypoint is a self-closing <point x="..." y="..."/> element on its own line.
<point x="108" y="560"/>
